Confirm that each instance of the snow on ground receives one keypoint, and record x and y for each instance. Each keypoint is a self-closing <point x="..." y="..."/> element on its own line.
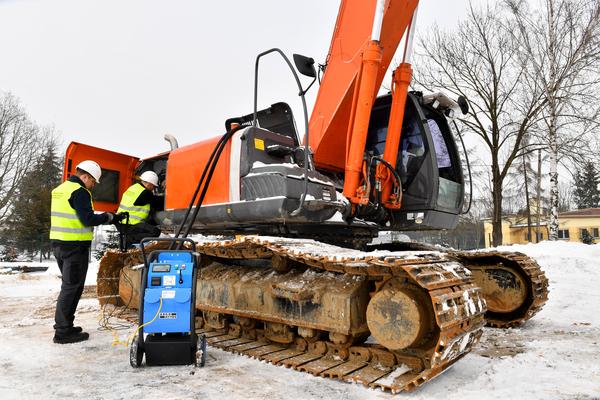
<point x="554" y="356"/>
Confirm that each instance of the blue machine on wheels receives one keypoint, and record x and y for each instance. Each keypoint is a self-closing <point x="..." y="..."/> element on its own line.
<point x="166" y="333"/>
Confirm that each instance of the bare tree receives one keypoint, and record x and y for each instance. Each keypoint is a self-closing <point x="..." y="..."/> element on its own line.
<point x="559" y="46"/>
<point x="19" y="147"/>
<point x="478" y="61"/>
<point x="566" y="201"/>
<point x="523" y="181"/>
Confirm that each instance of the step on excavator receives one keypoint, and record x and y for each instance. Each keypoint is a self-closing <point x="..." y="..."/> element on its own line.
<point x="282" y="221"/>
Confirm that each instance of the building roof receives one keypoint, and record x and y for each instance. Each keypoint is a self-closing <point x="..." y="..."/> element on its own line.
<point x="518" y="221"/>
<point x="533" y="224"/>
<point x="585" y="212"/>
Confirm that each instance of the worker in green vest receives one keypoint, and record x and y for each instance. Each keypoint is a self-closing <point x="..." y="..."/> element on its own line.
<point x="138" y="201"/>
<point x="72" y="219"/>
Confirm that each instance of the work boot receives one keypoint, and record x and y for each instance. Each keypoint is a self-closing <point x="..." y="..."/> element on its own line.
<point x="76" y="329"/>
<point x="71" y="337"/>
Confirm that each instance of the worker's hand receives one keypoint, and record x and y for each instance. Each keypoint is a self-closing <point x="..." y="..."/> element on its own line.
<point x="112" y="218"/>
<point x="121" y="216"/>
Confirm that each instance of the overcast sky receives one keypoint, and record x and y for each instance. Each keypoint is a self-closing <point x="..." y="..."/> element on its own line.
<point x="121" y="74"/>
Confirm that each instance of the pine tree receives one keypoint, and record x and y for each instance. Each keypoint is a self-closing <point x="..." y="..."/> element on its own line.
<point x="29" y="222"/>
<point x="587" y="193"/>
<point x="111" y="242"/>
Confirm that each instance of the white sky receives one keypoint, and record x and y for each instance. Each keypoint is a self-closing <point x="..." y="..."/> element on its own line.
<point x="121" y="74"/>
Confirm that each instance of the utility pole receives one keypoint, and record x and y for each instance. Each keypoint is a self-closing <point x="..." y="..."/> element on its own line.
<point x="527" y="200"/>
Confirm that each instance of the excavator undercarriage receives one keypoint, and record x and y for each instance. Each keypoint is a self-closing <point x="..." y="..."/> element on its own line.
<point x="386" y="319"/>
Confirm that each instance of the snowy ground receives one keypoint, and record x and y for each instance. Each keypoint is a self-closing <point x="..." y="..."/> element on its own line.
<point x="554" y="356"/>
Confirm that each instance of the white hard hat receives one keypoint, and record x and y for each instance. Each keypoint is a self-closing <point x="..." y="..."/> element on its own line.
<point x="150" y="177"/>
<point x="92" y="168"/>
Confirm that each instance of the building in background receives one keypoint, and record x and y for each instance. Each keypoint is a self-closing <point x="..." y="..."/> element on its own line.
<point x="573" y="226"/>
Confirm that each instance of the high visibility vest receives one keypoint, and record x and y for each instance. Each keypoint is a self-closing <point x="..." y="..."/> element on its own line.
<point x="64" y="223"/>
<point x="137" y="214"/>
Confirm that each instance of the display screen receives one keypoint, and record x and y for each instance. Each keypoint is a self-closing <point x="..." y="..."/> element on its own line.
<point x="161" y="267"/>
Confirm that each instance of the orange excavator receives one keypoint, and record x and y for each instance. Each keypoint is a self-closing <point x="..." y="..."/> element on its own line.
<point x="283" y="221"/>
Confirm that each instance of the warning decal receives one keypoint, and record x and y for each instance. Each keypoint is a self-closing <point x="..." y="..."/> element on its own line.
<point x="169" y="280"/>
<point x="259" y="144"/>
<point x="167" y="315"/>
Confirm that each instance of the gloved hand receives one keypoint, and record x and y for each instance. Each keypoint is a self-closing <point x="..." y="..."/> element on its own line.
<point x="121" y="216"/>
<point x="116" y="219"/>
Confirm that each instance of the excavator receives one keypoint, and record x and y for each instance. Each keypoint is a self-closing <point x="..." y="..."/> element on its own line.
<point x="282" y="221"/>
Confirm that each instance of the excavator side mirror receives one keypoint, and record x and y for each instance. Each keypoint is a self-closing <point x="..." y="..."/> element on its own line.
<point x="305" y="65"/>
<point x="463" y="104"/>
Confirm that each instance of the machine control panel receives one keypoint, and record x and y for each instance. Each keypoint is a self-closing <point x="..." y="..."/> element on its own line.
<point x="168" y="292"/>
<point x="170" y="273"/>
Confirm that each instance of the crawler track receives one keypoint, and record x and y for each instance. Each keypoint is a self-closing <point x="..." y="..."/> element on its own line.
<point x="455" y="302"/>
<point x="535" y="283"/>
<point x="513" y="284"/>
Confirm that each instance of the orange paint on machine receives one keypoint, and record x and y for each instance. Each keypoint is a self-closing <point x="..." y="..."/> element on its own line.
<point x="184" y="169"/>
<point x="118" y="171"/>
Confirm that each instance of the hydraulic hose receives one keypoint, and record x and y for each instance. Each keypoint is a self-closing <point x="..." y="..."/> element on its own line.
<point x="391" y="168"/>
<point x="193" y="199"/>
<point x="208" y="169"/>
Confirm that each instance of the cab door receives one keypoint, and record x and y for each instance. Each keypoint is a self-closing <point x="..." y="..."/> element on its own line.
<point x="117" y="173"/>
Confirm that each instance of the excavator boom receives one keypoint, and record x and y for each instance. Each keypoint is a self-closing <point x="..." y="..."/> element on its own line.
<point x="332" y="113"/>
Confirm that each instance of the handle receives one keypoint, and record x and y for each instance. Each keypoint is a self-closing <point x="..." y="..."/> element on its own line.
<point x="167" y="240"/>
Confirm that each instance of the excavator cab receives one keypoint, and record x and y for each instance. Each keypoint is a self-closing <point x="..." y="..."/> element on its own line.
<point x="428" y="163"/>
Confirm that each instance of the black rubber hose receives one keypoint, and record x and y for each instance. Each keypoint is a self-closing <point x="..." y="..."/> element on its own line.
<point x="211" y="163"/>
<point x="212" y="166"/>
<point x="193" y="199"/>
<point x="392" y="170"/>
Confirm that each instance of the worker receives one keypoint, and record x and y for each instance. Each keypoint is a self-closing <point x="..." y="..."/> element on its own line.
<point x="138" y="201"/>
<point x="72" y="219"/>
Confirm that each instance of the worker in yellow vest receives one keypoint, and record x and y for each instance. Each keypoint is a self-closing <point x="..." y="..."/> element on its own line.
<point x="138" y="201"/>
<point x="72" y="219"/>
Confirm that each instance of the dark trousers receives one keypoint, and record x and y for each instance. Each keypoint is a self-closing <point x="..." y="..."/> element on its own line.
<point x="73" y="264"/>
<point x="135" y="233"/>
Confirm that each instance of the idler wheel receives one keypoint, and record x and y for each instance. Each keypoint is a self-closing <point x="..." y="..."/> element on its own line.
<point x="400" y="315"/>
<point x="503" y="290"/>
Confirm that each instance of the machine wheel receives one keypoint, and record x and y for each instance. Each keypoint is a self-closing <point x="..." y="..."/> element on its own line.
<point x="201" y="351"/>
<point x="135" y="353"/>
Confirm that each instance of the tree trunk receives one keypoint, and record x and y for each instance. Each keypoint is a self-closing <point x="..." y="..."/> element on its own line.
<point x="553" y="174"/>
<point x="539" y="195"/>
<point x="551" y="92"/>
<point x="497" y="201"/>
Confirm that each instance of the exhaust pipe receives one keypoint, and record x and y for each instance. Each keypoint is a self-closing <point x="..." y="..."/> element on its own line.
<point x="172" y="141"/>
